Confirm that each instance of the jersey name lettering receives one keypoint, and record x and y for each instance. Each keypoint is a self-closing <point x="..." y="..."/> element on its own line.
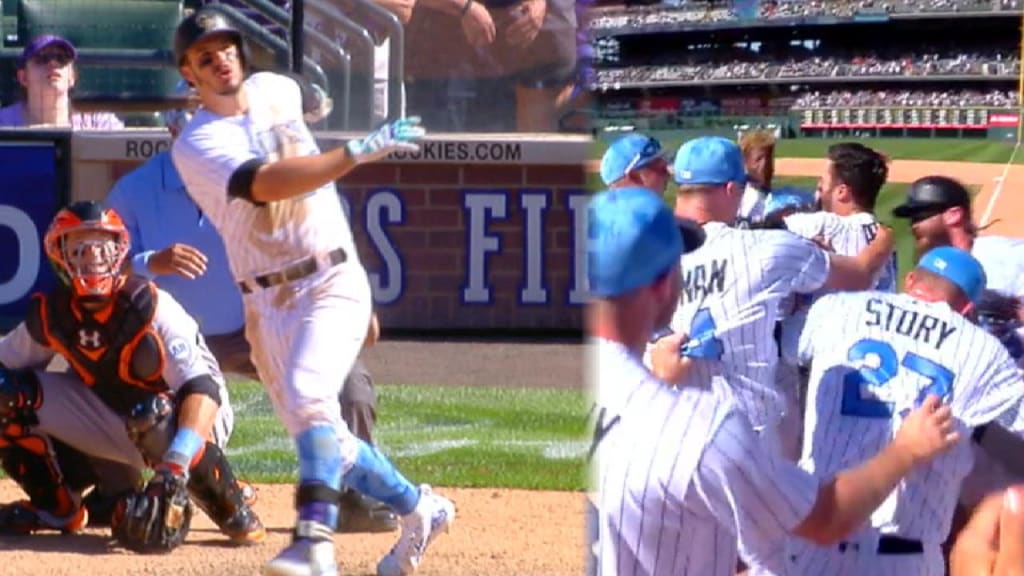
<point x="907" y="322"/>
<point x="698" y="282"/>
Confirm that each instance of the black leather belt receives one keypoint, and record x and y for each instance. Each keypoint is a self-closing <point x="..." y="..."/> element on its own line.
<point x="301" y="269"/>
<point x="889" y="546"/>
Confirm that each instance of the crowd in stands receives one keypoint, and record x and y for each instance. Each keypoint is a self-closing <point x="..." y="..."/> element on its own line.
<point x="908" y="98"/>
<point x="988" y="63"/>
<point x="698" y="11"/>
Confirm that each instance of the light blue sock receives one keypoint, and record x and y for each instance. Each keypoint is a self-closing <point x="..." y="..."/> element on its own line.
<point x="319" y="463"/>
<point x="375" y="476"/>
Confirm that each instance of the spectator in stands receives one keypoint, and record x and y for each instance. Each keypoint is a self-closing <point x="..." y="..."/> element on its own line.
<point x="47" y="75"/>
<point x="525" y="51"/>
<point x="636" y="161"/>
<point x="758" y="149"/>
<point x="174" y="243"/>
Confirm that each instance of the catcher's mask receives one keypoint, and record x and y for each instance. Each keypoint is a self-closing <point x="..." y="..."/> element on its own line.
<point x="87" y="246"/>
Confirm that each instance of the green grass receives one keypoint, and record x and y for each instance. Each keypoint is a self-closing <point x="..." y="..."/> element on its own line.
<point x="466" y="437"/>
<point x="941" y="149"/>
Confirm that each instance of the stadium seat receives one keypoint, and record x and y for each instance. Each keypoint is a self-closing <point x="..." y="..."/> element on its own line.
<point x="120" y="43"/>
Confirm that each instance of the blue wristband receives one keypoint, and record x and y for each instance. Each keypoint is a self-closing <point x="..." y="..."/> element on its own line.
<point x="140" y="264"/>
<point x="184" y="447"/>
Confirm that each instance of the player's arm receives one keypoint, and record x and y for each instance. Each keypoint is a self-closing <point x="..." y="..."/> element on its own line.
<point x="187" y="371"/>
<point x="20" y="349"/>
<point x="859" y="272"/>
<point x="846" y="501"/>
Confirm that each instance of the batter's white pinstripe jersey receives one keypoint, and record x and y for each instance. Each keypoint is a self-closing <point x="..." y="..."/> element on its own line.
<point x="266" y="238"/>
<point x="872" y="356"/>
<point x="681" y="475"/>
<point x="732" y="286"/>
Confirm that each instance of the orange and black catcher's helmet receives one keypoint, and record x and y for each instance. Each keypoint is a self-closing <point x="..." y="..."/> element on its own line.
<point x="90" y="264"/>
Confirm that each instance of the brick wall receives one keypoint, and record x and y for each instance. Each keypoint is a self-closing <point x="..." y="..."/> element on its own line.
<point x="435" y="243"/>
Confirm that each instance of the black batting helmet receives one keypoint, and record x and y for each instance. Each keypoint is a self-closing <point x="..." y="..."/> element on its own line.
<point x="203" y="24"/>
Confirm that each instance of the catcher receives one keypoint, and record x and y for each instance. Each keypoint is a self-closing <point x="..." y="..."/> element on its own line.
<point x="143" y="390"/>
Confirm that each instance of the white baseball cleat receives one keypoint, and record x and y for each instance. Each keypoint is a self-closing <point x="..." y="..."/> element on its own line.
<point x="433" y="515"/>
<point x="310" y="554"/>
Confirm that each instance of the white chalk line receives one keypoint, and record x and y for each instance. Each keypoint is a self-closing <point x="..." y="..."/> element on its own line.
<point x="999" y="188"/>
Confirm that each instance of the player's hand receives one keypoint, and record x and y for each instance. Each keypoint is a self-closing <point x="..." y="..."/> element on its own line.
<point x="527" y="18"/>
<point x="478" y="26"/>
<point x="927" y="431"/>
<point x="667" y="361"/>
<point x="392" y="137"/>
<point x="885" y="239"/>
<point x="180" y="259"/>
<point x="824" y="243"/>
<point x="992" y="542"/>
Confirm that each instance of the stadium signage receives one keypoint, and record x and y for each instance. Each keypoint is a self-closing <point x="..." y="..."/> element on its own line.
<point x="896" y="117"/>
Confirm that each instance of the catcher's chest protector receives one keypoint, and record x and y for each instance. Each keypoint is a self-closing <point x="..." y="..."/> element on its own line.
<point x="117" y="353"/>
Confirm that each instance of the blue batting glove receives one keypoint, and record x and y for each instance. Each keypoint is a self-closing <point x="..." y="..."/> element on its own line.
<point x="392" y="137"/>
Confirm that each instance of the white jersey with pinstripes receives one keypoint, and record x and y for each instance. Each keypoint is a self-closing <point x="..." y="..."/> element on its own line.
<point x="260" y="238"/>
<point x="732" y="286"/>
<point x="872" y="355"/>
<point x="848" y="235"/>
<point x="681" y="476"/>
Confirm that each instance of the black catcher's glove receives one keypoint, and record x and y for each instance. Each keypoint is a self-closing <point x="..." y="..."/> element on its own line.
<point x="999" y="315"/>
<point x="157" y="519"/>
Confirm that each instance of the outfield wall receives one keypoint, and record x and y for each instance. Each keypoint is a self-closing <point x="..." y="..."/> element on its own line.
<point x="474" y="232"/>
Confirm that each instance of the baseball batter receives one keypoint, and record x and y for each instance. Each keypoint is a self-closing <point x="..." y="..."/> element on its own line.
<point x="254" y="169"/>
<point x="679" y="472"/>
<point x="873" y="355"/>
<point x="144" y="390"/>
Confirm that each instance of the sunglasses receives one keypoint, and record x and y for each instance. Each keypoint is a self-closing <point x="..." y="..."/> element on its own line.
<point x="61" y="58"/>
<point x="651" y="149"/>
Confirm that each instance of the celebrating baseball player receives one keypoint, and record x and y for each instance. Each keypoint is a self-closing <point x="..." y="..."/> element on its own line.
<point x="874" y="355"/>
<point x="732" y="285"/>
<point x="144" y="391"/>
<point x="635" y="160"/>
<point x="939" y="211"/>
<point x="679" y="472"/>
<point x="253" y="167"/>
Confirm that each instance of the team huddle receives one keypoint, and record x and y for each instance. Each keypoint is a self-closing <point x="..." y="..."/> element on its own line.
<point x="765" y="399"/>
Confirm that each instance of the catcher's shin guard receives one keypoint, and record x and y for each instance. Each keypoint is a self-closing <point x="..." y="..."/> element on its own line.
<point x="52" y="505"/>
<point x="223" y="498"/>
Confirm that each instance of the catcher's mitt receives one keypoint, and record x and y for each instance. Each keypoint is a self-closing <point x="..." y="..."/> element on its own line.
<point x="999" y="315"/>
<point x="157" y="519"/>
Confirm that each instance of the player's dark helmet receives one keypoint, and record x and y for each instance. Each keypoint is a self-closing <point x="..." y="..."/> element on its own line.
<point x="203" y="24"/>
<point x="90" y="264"/>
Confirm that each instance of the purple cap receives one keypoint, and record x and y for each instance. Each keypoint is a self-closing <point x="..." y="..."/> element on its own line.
<point x="41" y="42"/>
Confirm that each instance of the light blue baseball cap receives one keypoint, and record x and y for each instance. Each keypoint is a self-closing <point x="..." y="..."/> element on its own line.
<point x="628" y="153"/>
<point x="709" y="160"/>
<point x="632" y="239"/>
<point x="956" y="266"/>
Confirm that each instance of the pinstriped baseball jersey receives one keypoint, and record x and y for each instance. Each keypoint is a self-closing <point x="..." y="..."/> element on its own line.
<point x="681" y="475"/>
<point x="872" y="355"/>
<point x="849" y="236"/>
<point x="732" y="286"/>
<point x="1003" y="260"/>
<point x="260" y="238"/>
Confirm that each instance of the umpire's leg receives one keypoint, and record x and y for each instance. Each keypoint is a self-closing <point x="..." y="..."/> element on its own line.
<point x="358" y="399"/>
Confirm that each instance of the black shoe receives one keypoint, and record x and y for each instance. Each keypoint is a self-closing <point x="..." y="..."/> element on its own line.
<point x="360" y="514"/>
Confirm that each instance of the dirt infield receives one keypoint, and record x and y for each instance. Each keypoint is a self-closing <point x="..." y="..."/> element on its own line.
<point x="497" y="531"/>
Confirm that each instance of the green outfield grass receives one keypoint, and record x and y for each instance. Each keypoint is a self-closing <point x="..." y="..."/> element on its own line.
<point x="465" y="437"/>
<point x="946" y="149"/>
